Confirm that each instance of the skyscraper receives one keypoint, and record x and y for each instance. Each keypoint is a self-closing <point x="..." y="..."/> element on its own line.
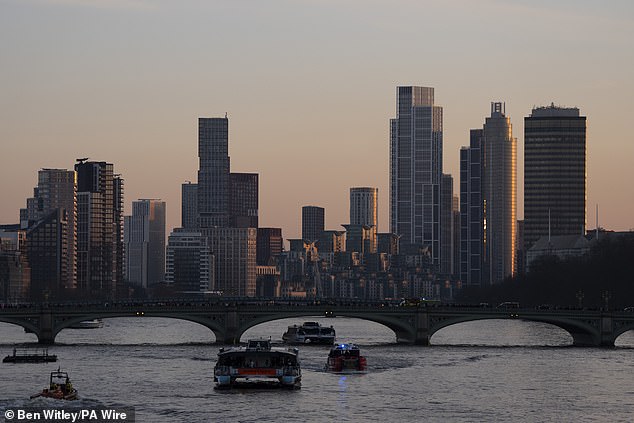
<point x="189" y="264"/>
<point x="99" y="229"/>
<point x="471" y="211"/>
<point x="213" y="172"/>
<point x="144" y="238"/>
<point x="312" y="222"/>
<point x="416" y="168"/>
<point x="364" y="205"/>
<point x="488" y="201"/>
<point x="189" y="205"/>
<point x="446" y="225"/>
<point x="243" y="200"/>
<point x="235" y="255"/>
<point x="56" y="189"/>
<point x="48" y="255"/>
<point x="500" y="193"/>
<point x="554" y="173"/>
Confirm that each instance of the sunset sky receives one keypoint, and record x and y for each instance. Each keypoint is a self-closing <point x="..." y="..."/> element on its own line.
<point x="309" y="87"/>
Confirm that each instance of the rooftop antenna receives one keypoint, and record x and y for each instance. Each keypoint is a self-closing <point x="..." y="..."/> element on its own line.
<point x="597" y="217"/>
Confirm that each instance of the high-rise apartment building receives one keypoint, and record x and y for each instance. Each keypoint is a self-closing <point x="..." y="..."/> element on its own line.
<point x="243" y="200"/>
<point x="235" y="252"/>
<point x="144" y="239"/>
<point x="455" y="211"/>
<point x="488" y="201"/>
<point x="56" y="189"/>
<point x="471" y="211"/>
<point x="189" y="264"/>
<point x="364" y="210"/>
<point x="446" y="224"/>
<point x="312" y="222"/>
<point x="416" y="168"/>
<point x="189" y="205"/>
<point x="554" y="173"/>
<point x="15" y="273"/>
<point x="213" y="172"/>
<point x="48" y="253"/>
<point x="99" y="229"/>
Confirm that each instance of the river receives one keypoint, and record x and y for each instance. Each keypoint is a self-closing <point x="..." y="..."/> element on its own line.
<point x="484" y="371"/>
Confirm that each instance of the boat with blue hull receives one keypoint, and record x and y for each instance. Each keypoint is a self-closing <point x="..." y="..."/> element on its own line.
<point x="258" y="364"/>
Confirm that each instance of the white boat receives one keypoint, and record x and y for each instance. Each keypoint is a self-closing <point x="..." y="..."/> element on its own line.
<point x="258" y="364"/>
<point x="88" y="324"/>
<point x="309" y="333"/>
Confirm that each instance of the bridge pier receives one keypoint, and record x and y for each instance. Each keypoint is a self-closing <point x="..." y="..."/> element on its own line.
<point x="230" y="335"/>
<point x="45" y="334"/>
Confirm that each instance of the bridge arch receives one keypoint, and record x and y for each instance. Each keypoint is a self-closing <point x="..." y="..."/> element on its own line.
<point x="501" y="331"/>
<point x="27" y="325"/>
<point x="583" y="333"/>
<point x="401" y="327"/>
<point x="208" y="321"/>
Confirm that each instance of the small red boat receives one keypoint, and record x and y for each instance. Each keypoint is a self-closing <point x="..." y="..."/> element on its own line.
<point x="60" y="387"/>
<point x="346" y="358"/>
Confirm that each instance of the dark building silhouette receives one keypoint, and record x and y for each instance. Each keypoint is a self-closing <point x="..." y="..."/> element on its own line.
<point x="189" y="205"/>
<point x="243" y="200"/>
<point x="554" y="173"/>
<point x="312" y="222"/>
<point x="189" y="267"/>
<point x="269" y="245"/>
<point x="48" y="252"/>
<point x="213" y="172"/>
<point x="144" y="236"/>
<point x="56" y="189"/>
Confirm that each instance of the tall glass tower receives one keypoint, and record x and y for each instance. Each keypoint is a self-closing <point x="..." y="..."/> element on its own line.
<point x="213" y="172"/>
<point x="416" y="168"/>
<point x="488" y="201"/>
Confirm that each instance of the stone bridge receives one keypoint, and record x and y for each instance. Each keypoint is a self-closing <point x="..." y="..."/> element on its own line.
<point x="229" y="320"/>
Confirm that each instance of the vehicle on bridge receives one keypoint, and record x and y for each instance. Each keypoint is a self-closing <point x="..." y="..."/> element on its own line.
<point x="309" y="333"/>
<point x="60" y="387"/>
<point x="346" y="358"/>
<point x="258" y="363"/>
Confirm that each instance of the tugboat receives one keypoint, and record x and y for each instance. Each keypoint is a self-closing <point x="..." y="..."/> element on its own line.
<point x="60" y="387"/>
<point x="258" y="364"/>
<point x="309" y="333"/>
<point x="346" y="358"/>
<point x="30" y="355"/>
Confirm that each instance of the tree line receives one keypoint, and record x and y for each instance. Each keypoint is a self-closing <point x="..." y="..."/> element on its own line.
<point x="606" y="271"/>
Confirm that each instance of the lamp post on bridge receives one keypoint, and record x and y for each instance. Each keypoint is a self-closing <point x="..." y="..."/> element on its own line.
<point x="606" y="298"/>
<point x="580" y="298"/>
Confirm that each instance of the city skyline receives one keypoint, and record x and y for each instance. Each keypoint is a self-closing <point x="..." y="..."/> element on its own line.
<point x="115" y="98"/>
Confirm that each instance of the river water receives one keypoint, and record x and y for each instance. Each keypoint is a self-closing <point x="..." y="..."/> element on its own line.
<point x="485" y="371"/>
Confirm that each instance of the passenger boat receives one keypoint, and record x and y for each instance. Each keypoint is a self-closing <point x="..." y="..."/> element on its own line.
<point x="309" y="333"/>
<point x="60" y="387"/>
<point x="258" y="363"/>
<point x="346" y="358"/>
<point x="30" y="355"/>
<point x="88" y="324"/>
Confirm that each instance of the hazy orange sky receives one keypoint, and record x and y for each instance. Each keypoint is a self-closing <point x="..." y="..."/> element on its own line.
<point x="309" y="87"/>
